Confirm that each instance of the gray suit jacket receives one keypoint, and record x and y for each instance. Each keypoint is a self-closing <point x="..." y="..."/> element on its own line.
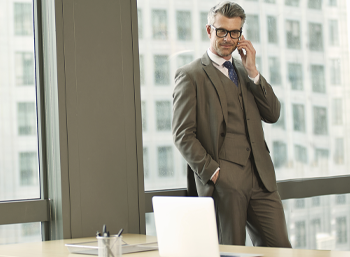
<point x="200" y="113"/>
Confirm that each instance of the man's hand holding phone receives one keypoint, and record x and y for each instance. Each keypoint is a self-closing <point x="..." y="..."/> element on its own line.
<point x="248" y="59"/>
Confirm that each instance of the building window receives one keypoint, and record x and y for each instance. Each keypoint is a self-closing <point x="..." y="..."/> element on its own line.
<point x="315" y="37"/>
<point x="203" y="23"/>
<point x="321" y="156"/>
<point x="337" y="111"/>
<point x="165" y="161"/>
<point x="275" y="73"/>
<point x="142" y="69"/>
<point x="24" y="69"/>
<point x="145" y="162"/>
<point x="270" y="1"/>
<point x="292" y="2"/>
<point x="281" y="121"/>
<point x="258" y="63"/>
<point x="315" y="229"/>
<point x="332" y="2"/>
<point x="28" y="168"/>
<point x="316" y="201"/>
<point x="30" y="229"/>
<point x="340" y="199"/>
<point x="184" y="28"/>
<point x="159" y="24"/>
<point x="26" y="118"/>
<point x="279" y="154"/>
<point x="140" y="23"/>
<point x="299" y="203"/>
<point x="293" y="34"/>
<point x="299" y="117"/>
<point x="333" y="33"/>
<point x="342" y="233"/>
<point x="320" y="121"/>
<point x="318" y="79"/>
<point x="144" y="116"/>
<point x="295" y="75"/>
<point x="272" y="29"/>
<point x="184" y="59"/>
<point x="161" y="70"/>
<point x="300" y="234"/>
<point x="300" y="153"/>
<point x="335" y="71"/>
<point x="163" y="115"/>
<point x="23" y="19"/>
<point x="253" y="28"/>
<point x="339" y="151"/>
<point x="315" y="4"/>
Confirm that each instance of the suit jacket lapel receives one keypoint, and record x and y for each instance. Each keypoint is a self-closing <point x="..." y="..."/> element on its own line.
<point x="211" y="71"/>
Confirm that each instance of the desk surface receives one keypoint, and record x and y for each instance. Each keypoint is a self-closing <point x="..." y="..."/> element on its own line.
<point x="57" y="248"/>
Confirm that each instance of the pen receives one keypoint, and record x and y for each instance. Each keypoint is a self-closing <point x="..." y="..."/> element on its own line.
<point x="120" y="232"/>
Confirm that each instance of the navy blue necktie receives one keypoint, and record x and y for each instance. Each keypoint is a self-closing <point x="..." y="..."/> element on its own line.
<point x="231" y="72"/>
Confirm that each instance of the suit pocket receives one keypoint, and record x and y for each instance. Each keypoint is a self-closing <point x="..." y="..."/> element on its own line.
<point x="235" y="149"/>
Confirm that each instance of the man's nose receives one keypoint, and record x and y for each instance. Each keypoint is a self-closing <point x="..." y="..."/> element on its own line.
<point x="228" y="38"/>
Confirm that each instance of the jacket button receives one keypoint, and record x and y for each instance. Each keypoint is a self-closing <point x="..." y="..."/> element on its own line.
<point x="248" y="149"/>
<point x="223" y="134"/>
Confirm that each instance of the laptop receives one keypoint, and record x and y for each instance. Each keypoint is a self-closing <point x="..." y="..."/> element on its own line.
<point x="186" y="227"/>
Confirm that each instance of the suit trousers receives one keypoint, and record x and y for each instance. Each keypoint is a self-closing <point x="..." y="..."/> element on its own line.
<point x="242" y="200"/>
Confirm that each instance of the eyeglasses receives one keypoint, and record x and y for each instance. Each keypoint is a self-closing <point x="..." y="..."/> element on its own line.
<point x="234" y="34"/>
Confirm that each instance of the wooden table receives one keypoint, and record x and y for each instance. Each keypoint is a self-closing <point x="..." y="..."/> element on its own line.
<point x="57" y="248"/>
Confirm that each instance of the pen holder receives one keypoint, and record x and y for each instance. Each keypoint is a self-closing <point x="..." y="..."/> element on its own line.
<point x="109" y="246"/>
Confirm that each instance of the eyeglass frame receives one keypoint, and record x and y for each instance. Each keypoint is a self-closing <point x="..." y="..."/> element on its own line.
<point x="227" y="31"/>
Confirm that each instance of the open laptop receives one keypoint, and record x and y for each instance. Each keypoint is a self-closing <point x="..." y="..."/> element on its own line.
<point x="186" y="227"/>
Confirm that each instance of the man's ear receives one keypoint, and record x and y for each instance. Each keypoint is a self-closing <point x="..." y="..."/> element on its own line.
<point x="208" y="28"/>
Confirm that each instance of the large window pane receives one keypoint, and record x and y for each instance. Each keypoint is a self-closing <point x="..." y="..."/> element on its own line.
<point x="318" y="79"/>
<point x="160" y="24"/>
<point x="161" y="70"/>
<point x="275" y="70"/>
<point x="253" y="28"/>
<point x="184" y="25"/>
<point x="333" y="33"/>
<point x="19" y="173"/>
<point x="299" y="117"/>
<point x="272" y="29"/>
<point x="293" y="34"/>
<point x="20" y="233"/>
<point x="315" y="37"/>
<point x="295" y="75"/>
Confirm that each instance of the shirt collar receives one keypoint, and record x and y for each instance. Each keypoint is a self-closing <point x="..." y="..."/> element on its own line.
<point x="217" y="59"/>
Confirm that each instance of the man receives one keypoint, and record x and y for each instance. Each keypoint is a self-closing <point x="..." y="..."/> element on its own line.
<point x="219" y="103"/>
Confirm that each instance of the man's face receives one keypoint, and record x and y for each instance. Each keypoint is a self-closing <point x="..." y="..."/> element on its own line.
<point x="223" y="46"/>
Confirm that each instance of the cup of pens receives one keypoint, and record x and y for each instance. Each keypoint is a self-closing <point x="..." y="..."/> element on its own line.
<point x="109" y="246"/>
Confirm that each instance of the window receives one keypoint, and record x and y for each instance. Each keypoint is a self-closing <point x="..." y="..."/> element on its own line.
<point x="300" y="153"/>
<point x="341" y="228"/>
<point x="337" y="111"/>
<point x="160" y="24"/>
<point x="144" y="115"/>
<point x="318" y="79"/>
<point x="315" y="4"/>
<point x="315" y="230"/>
<point x="145" y="162"/>
<point x="165" y="161"/>
<point x="292" y="2"/>
<point x="279" y="154"/>
<point x="333" y="33"/>
<point x="281" y="121"/>
<point x="142" y="69"/>
<point x="258" y="63"/>
<point x="184" y="59"/>
<point x="272" y="29"/>
<point x="253" y="28"/>
<point x="24" y="68"/>
<point x="23" y="19"/>
<point x="316" y="201"/>
<point x="140" y="23"/>
<point x="332" y="2"/>
<point x="275" y="74"/>
<point x="270" y="1"/>
<point x="26" y="118"/>
<point x="315" y="37"/>
<point x="295" y="75"/>
<point x="320" y="121"/>
<point x="339" y="151"/>
<point x="163" y="115"/>
<point x="161" y="70"/>
<point x="203" y="23"/>
<point x="300" y="234"/>
<point x="184" y="28"/>
<point x="340" y="199"/>
<point x="335" y="71"/>
<point x="293" y="34"/>
<point x="299" y="117"/>
<point x="321" y="156"/>
<point x="28" y="168"/>
<point x="299" y="203"/>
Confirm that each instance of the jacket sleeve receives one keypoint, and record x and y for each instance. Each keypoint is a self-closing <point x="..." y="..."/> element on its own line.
<point x="266" y="100"/>
<point x="184" y="127"/>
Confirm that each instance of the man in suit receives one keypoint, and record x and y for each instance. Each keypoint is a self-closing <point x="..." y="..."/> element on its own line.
<point x="219" y="104"/>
